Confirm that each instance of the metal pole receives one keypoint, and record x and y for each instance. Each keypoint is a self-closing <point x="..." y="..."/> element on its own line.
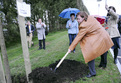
<point x="4" y="55"/>
<point x="21" y="21"/>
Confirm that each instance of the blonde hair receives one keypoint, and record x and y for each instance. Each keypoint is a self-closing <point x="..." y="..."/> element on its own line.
<point x="83" y="15"/>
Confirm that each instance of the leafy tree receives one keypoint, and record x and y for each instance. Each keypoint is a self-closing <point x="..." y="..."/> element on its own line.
<point x="47" y="10"/>
<point x="9" y="14"/>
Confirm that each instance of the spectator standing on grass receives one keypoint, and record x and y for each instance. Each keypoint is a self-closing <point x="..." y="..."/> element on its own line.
<point x="113" y="29"/>
<point x="93" y="39"/>
<point x="30" y="32"/>
<point x="40" y="26"/>
<point x="72" y="26"/>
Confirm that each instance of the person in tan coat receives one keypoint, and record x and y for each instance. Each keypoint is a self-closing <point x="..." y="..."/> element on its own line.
<point x="93" y="39"/>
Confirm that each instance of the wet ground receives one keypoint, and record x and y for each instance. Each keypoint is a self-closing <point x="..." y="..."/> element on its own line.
<point x="69" y="70"/>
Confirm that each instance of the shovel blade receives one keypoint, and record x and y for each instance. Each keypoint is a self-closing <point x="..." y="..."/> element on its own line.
<point x="55" y="69"/>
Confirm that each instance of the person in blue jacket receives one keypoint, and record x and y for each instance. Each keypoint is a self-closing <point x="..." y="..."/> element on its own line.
<point x="72" y="26"/>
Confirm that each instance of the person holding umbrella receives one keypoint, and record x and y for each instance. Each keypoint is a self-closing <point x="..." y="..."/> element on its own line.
<point x="93" y="39"/>
<point x="72" y="26"/>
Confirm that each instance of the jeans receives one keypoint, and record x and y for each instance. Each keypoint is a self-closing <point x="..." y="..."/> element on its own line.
<point x="71" y="38"/>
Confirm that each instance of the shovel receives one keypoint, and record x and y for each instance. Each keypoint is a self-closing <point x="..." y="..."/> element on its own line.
<point x="60" y="61"/>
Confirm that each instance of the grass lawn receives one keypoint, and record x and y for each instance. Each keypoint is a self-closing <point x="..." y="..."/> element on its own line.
<point x="57" y="44"/>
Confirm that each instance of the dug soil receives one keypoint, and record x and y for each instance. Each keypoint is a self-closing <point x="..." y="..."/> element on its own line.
<point x="69" y="70"/>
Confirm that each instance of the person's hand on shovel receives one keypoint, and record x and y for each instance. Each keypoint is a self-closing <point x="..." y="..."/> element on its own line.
<point x="69" y="51"/>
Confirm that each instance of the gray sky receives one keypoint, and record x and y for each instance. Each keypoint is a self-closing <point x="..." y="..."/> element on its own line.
<point x="94" y="8"/>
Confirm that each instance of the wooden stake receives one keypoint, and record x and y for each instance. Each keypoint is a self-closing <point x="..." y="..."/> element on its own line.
<point x="2" y="75"/>
<point x="4" y="55"/>
<point x="21" y="21"/>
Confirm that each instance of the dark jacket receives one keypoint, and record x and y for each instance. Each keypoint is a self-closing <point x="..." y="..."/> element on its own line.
<point x="32" y="29"/>
<point x="119" y="26"/>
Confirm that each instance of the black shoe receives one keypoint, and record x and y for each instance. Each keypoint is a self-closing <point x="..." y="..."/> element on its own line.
<point x="100" y="66"/>
<point x="33" y="44"/>
<point x="103" y="67"/>
<point x="39" y="48"/>
<point x="44" y="48"/>
<point x="89" y="76"/>
<point x="115" y="61"/>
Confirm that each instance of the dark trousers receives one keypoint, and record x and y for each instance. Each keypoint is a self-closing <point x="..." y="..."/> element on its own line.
<point x="115" y="53"/>
<point x="91" y="66"/>
<point x="103" y="61"/>
<point x="40" y="44"/>
<point x="115" y="47"/>
<point x="71" y="38"/>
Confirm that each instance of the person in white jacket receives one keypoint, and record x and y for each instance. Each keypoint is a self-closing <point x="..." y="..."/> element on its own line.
<point x="40" y="26"/>
<point x="113" y="30"/>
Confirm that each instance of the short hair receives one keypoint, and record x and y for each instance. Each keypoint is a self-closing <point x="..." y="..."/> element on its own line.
<point x="112" y="8"/>
<point x="40" y="19"/>
<point x="72" y="14"/>
<point x="83" y="15"/>
<point x="28" y="21"/>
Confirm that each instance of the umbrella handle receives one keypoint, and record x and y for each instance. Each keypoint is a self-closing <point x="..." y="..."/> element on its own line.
<point x="62" y="60"/>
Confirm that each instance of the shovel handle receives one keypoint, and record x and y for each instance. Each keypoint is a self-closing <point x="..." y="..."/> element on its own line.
<point x="62" y="60"/>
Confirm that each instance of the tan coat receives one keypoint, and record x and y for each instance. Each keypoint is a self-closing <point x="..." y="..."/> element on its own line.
<point x="94" y="40"/>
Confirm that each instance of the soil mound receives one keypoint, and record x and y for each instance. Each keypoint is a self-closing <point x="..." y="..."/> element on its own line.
<point x="70" y="70"/>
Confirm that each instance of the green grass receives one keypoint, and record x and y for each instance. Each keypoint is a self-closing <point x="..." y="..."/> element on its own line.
<point x="57" y="44"/>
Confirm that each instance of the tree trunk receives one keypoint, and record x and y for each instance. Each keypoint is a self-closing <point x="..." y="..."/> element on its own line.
<point x="78" y="4"/>
<point x="34" y="21"/>
<point x="81" y="6"/>
<point x="4" y="54"/>
<point x="2" y="75"/>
